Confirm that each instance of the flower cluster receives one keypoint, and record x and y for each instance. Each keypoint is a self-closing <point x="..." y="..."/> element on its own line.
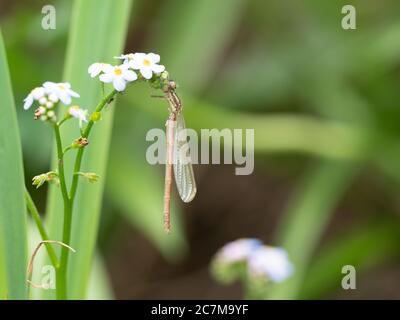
<point x="132" y="64"/>
<point x="47" y="96"/>
<point x="259" y="261"/>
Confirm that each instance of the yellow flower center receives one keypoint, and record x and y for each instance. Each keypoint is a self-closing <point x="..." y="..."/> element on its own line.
<point x="61" y="86"/>
<point x="146" y="62"/>
<point x="117" y="71"/>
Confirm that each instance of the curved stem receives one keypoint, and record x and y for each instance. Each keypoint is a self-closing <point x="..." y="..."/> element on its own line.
<point x="36" y="217"/>
<point x="85" y="134"/>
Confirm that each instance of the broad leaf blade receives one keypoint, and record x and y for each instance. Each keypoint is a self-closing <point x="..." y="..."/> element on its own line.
<point x="12" y="204"/>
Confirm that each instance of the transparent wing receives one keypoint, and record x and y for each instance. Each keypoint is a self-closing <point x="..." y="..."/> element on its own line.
<point x="183" y="170"/>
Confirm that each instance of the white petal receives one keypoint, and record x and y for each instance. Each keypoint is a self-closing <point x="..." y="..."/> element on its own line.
<point x="28" y="102"/>
<point x="84" y="115"/>
<point x="135" y="64"/>
<point x="73" y="93"/>
<point x="49" y="84"/>
<point x="158" y="68"/>
<point x="107" y="68"/>
<point x="95" y="69"/>
<point x="123" y="66"/>
<point x="119" y="84"/>
<point x="130" y="75"/>
<point x="139" y="56"/>
<point x="146" y="72"/>
<point x="65" y="98"/>
<point x="38" y="93"/>
<point x="67" y="85"/>
<point x="50" y="87"/>
<point x="73" y="111"/>
<point x="106" y="77"/>
<point x="153" y="57"/>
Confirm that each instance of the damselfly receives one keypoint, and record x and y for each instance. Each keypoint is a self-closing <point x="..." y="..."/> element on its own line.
<point x="177" y="155"/>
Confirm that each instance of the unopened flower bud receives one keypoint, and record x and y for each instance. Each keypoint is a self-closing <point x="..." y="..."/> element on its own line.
<point x="80" y="143"/>
<point x="96" y="116"/>
<point x="51" y="114"/>
<point x="164" y="75"/>
<point x="38" y="112"/>
<point x="53" y="98"/>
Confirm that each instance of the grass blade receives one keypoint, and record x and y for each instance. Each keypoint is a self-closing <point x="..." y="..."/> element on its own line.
<point x="13" y="230"/>
<point x="306" y="219"/>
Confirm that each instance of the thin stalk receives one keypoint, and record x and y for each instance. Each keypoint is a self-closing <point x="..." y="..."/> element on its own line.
<point x="36" y="217"/>
<point x="61" y="272"/>
<point x="85" y="134"/>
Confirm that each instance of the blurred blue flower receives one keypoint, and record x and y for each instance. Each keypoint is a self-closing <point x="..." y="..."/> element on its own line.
<point x="272" y="263"/>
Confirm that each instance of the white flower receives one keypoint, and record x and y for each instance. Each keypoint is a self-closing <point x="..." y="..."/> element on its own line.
<point x="78" y="113"/>
<point x="61" y="91"/>
<point x="270" y="262"/>
<point x="118" y="75"/>
<point x="238" y="250"/>
<point x="147" y="64"/>
<point x="36" y="94"/>
<point x="96" y="68"/>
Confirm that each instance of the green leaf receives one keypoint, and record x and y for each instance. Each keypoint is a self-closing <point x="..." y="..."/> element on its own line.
<point x="13" y="232"/>
<point x="306" y="218"/>
<point x="97" y="33"/>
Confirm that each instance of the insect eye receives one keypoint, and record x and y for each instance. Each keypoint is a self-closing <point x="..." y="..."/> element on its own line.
<point x="172" y="84"/>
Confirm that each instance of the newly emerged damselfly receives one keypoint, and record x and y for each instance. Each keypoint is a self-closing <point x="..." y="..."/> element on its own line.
<point x="177" y="155"/>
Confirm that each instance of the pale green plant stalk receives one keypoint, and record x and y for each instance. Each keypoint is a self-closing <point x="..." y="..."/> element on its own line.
<point x="69" y="197"/>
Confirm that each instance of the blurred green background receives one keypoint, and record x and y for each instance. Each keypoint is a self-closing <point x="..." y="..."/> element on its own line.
<point x="324" y="105"/>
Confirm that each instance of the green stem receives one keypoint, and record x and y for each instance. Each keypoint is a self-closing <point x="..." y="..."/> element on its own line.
<point x="69" y="199"/>
<point x="67" y="117"/>
<point x="36" y="217"/>
<point x="61" y="272"/>
<point x="85" y="134"/>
